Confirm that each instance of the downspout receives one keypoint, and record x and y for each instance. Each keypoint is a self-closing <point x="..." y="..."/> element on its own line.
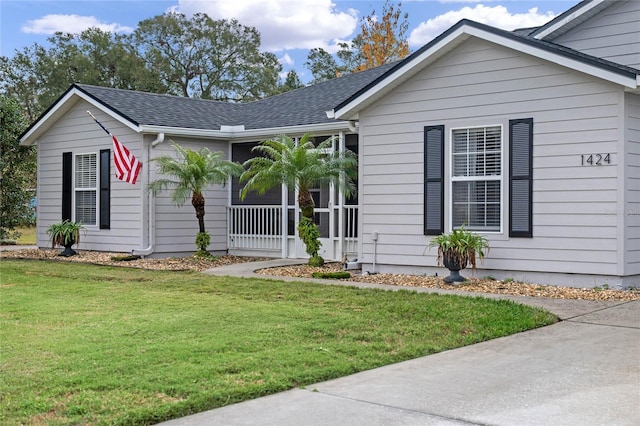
<point x="151" y="211"/>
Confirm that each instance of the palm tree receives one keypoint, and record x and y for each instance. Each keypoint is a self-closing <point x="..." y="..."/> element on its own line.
<point x="191" y="174"/>
<point x="300" y="166"/>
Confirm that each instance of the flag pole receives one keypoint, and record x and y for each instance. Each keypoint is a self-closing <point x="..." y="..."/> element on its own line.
<point x="99" y="123"/>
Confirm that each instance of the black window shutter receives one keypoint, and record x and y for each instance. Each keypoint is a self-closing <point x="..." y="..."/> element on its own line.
<point x="521" y="178"/>
<point x="67" y="184"/>
<point x="433" y="180"/>
<point x="105" y="189"/>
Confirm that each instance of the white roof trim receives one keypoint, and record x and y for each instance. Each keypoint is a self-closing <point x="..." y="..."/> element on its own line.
<point x="32" y="135"/>
<point x="568" y="19"/>
<point x="237" y="133"/>
<point x="350" y="110"/>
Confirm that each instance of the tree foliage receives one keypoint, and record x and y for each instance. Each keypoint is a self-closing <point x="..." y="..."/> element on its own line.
<point x="206" y="58"/>
<point x="198" y="57"/>
<point x="291" y="82"/>
<point x="382" y="40"/>
<point x="17" y="170"/>
<point x="36" y="76"/>
<point x="190" y="174"/>
<point x="301" y="166"/>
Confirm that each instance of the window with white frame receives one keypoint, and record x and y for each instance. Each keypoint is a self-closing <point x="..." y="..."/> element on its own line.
<point x="86" y="188"/>
<point x="476" y="178"/>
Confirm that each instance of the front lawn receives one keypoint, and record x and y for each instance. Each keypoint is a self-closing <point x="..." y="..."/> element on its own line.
<point x="84" y="344"/>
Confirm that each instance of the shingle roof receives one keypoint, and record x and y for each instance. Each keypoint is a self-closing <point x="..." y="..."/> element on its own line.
<point x="304" y="106"/>
<point x="307" y="105"/>
<point x="163" y="110"/>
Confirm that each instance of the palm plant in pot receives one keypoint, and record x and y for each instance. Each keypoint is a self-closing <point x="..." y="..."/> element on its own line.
<point x="459" y="249"/>
<point x="65" y="234"/>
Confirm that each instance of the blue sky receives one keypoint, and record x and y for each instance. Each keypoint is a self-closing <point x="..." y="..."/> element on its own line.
<point x="289" y="28"/>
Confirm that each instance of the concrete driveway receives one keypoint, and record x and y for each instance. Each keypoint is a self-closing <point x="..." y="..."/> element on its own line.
<point x="584" y="370"/>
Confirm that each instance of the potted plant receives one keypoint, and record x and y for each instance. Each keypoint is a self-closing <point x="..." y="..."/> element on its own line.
<point x="458" y="249"/>
<point x="65" y="234"/>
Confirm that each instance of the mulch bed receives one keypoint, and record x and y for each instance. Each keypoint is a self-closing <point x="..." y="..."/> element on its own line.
<point x="200" y="264"/>
<point x="472" y="284"/>
<point x="190" y="263"/>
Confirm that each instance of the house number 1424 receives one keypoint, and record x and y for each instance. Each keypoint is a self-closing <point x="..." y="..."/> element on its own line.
<point x="595" y="159"/>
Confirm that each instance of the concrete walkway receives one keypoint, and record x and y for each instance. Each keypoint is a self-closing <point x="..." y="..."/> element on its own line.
<point x="584" y="370"/>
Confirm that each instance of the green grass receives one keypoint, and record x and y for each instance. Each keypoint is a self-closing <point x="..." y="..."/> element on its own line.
<point x="27" y="236"/>
<point x="85" y="344"/>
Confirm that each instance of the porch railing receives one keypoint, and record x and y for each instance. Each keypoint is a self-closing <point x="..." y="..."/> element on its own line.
<point x="350" y="244"/>
<point x="260" y="228"/>
<point x="254" y="227"/>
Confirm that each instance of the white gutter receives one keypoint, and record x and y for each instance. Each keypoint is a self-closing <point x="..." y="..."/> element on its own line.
<point x="159" y="139"/>
<point x="235" y="132"/>
<point x="151" y="219"/>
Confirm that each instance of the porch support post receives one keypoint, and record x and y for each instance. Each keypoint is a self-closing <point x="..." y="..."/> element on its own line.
<point x="284" y="221"/>
<point x="341" y="148"/>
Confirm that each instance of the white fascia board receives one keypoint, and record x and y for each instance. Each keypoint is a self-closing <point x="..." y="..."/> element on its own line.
<point x="61" y="107"/>
<point x="568" y="19"/>
<point x="184" y="131"/>
<point x="306" y="128"/>
<point x="237" y="133"/>
<point x="350" y="110"/>
<point x="566" y="61"/>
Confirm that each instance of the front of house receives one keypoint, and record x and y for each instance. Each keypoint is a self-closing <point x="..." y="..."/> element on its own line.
<point x="531" y="138"/>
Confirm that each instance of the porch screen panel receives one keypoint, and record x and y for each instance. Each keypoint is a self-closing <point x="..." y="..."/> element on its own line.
<point x="521" y="178"/>
<point x="434" y="180"/>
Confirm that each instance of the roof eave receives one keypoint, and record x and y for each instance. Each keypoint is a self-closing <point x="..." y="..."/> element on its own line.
<point x="59" y="108"/>
<point x="238" y="133"/>
<point x="350" y="109"/>
<point x="566" y="19"/>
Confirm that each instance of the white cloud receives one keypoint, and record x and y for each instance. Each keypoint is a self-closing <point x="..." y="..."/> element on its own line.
<point x="51" y="24"/>
<point x="497" y="16"/>
<point x="286" y="59"/>
<point x="283" y="24"/>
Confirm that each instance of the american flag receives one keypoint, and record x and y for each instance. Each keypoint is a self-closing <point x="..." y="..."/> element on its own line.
<point x="127" y="165"/>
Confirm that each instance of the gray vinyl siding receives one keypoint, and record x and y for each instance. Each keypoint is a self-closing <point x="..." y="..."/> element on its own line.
<point x="76" y="132"/>
<point x="176" y="227"/>
<point x="632" y="188"/>
<point x="481" y="84"/>
<point x="614" y="34"/>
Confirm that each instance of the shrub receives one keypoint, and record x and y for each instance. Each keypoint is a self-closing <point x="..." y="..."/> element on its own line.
<point x="331" y="275"/>
<point x="316" y="261"/>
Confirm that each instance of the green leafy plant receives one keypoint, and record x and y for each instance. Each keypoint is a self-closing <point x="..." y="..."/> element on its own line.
<point x="331" y="275"/>
<point x="65" y="233"/>
<point x="125" y="258"/>
<point x="189" y="174"/>
<point x="310" y="236"/>
<point x="461" y="245"/>
<point x="203" y="239"/>
<point x="300" y="165"/>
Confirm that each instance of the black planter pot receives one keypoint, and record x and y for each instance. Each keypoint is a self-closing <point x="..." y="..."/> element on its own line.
<point x="454" y="264"/>
<point x="68" y="251"/>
